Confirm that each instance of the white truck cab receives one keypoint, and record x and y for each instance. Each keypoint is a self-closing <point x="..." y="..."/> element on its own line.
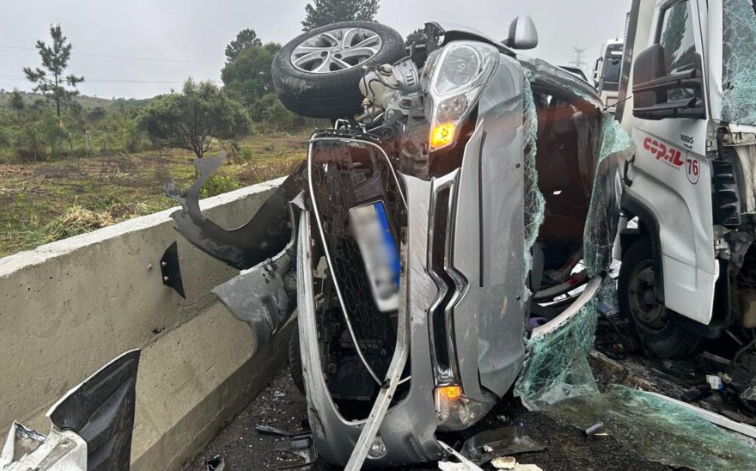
<point x="606" y="73"/>
<point x="688" y="97"/>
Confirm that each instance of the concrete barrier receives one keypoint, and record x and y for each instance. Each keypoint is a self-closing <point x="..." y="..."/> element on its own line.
<point x="68" y="307"/>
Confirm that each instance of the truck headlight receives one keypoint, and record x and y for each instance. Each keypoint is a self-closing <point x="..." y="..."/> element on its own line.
<point x="457" y="77"/>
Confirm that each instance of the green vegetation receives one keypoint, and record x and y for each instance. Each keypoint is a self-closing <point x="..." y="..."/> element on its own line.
<point x="54" y="62"/>
<point x="70" y="164"/>
<point x="86" y="102"/>
<point x="194" y="119"/>
<point x="416" y="37"/>
<point x="247" y="78"/>
<point x="324" y="12"/>
<point x="47" y="201"/>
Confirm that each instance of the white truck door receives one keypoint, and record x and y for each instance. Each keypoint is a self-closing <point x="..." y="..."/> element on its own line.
<point x="671" y="176"/>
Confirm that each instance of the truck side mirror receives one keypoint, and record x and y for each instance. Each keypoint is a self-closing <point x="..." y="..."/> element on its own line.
<point x="652" y="85"/>
<point x="522" y="34"/>
<point x="597" y="71"/>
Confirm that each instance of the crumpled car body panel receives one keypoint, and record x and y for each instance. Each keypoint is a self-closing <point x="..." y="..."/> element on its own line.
<point x="263" y="237"/>
<point x="265" y="295"/>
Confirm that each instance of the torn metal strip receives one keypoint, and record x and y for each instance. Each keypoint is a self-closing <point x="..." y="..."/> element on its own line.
<point x="712" y="417"/>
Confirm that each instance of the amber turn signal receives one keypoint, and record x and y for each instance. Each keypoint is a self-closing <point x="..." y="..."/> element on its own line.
<point x="450" y="393"/>
<point x="443" y="135"/>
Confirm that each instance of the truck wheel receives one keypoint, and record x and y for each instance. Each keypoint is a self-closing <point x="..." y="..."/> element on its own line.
<point x="317" y="74"/>
<point x="295" y="361"/>
<point x="658" y="327"/>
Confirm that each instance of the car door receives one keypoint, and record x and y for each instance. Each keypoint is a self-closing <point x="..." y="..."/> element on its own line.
<point x="671" y="176"/>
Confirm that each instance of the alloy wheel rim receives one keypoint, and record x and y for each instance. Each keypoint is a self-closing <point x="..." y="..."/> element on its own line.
<point x="336" y="50"/>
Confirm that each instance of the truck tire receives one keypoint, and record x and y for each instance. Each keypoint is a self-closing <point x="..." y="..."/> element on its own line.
<point x="317" y="74"/>
<point x="660" y="329"/>
<point x="295" y="361"/>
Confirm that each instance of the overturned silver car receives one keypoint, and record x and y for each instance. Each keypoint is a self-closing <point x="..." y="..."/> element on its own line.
<point x="431" y="232"/>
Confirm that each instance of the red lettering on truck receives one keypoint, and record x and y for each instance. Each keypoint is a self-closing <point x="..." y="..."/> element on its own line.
<point x="669" y="155"/>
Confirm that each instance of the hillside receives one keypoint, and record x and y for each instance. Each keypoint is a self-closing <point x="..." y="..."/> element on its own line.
<point x="87" y="102"/>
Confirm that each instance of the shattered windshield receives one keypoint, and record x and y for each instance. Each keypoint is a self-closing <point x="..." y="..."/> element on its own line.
<point x="739" y="61"/>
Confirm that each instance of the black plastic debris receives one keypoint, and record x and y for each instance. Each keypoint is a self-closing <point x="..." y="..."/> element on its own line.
<point x="170" y="270"/>
<point x="300" y="445"/>
<point x="701" y="391"/>
<point x="217" y="463"/>
<point x="505" y="441"/>
<point x="269" y="430"/>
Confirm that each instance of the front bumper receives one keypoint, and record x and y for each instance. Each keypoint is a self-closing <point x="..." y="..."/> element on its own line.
<point x="409" y="427"/>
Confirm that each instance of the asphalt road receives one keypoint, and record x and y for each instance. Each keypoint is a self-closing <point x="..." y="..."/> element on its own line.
<point x="282" y="406"/>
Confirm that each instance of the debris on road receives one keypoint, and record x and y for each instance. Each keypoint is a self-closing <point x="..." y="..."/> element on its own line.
<point x="504" y="441"/>
<point x="299" y="446"/>
<point x="527" y="467"/>
<point x="216" y="463"/>
<point x="449" y="466"/>
<point x="594" y="429"/>
<point x="715" y="382"/>
<point x="504" y="462"/>
<point x="269" y="430"/>
<point x="463" y="465"/>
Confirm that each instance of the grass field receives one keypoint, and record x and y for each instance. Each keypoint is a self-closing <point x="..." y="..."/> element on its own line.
<point x="48" y="201"/>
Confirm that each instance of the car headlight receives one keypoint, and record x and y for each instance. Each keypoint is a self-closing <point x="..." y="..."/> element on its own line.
<point x="456" y="76"/>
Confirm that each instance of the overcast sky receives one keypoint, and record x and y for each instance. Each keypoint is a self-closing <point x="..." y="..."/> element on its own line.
<point x="187" y="37"/>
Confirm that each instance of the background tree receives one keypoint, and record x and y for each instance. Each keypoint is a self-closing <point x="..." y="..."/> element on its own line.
<point x="17" y="101"/>
<point x="245" y="39"/>
<point x="193" y="118"/>
<point x="324" y="12"/>
<point x="417" y="36"/>
<point x="54" y="61"/>
<point x="248" y="78"/>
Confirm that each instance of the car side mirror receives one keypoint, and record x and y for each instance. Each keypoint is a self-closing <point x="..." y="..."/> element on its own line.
<point x="658" y="94"/>
<point x="522" y="34"/>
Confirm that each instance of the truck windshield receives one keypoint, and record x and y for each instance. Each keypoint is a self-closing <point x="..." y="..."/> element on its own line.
<point x="739" y="62"/>
<point x="612" y="65"/>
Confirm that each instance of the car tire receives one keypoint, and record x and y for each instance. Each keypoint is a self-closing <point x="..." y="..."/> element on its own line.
<point x="295" y="361"/>
<point x="659" y="328"/>
<point x="332" y="94"/>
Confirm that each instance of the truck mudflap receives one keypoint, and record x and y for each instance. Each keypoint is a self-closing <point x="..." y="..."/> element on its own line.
<point x="91" y="426"/>
<point x="264" y="236"/>
<point x="265" y="296"/>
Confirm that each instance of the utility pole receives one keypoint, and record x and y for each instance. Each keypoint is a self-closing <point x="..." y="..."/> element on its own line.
<point x="578" y="53"/>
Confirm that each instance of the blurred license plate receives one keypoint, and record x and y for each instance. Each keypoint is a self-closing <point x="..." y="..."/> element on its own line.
<point x="379" y="251"/>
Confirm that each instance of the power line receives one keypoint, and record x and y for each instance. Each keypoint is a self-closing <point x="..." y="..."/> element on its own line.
<point x="113" y="56"/>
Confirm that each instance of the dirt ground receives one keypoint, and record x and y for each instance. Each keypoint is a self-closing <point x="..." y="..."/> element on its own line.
<point x="281" y="405"/>
<point x="46" y="201"/>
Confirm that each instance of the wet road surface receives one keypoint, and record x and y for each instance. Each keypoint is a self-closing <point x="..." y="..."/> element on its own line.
<point x="282" y="406"/>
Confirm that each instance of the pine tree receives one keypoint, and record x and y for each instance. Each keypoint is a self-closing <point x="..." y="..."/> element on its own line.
<point x="17" y="101"/>
<point x="54" y="61"/>
<point x="245" y="39"/>
<point x="325" y="12"/>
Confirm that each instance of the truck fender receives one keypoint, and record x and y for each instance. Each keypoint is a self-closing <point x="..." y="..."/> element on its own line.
<point x="648" y="227"/>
